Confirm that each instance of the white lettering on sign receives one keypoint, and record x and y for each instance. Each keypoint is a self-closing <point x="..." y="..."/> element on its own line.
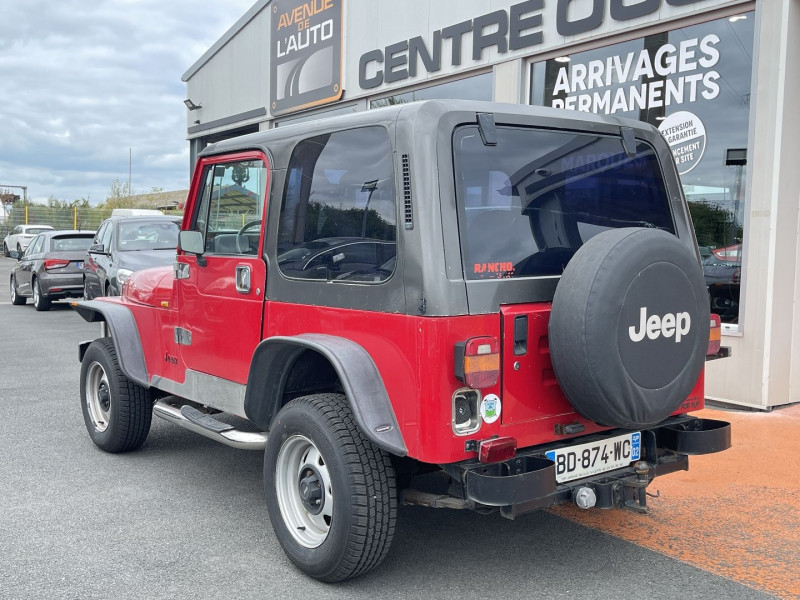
<point x="305" y="38"/>
<point x="686" y="136"/>
<point x="654" y="326"/>
<point x="583" y="83"/>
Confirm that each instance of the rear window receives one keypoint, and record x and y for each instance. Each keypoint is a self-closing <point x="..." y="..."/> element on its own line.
<point x="70" y="243"/>
<point x="528" y="203"/>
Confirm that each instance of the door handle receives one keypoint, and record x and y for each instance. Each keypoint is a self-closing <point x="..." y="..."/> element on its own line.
<point x="243" y="279"/>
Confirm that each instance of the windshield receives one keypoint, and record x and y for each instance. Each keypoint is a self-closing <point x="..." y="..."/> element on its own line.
<point x="528" y="203"/>
<point x="148" y="235"/>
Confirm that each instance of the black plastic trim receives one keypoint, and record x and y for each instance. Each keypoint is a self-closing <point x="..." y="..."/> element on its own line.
<point x="528" y="481"/>
<point x="124" y="333"/>
<point x="359" y="377"/>
<point x="700" y="436"/>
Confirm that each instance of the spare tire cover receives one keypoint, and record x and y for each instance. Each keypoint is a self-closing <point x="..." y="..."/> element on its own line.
<point x="629" y="327"/>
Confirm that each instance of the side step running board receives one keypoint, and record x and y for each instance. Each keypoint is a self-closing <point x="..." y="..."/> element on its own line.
<point x="192" y="419"/>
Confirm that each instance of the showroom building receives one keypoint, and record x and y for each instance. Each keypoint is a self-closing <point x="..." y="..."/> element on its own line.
<point x="719" y="78"/>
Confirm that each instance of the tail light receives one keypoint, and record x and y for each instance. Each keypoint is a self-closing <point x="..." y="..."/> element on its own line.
<point x="477" y="362"/>
<point x="497" y="449"/>
<point x="55" y="263"/>
<point x="714" y="335"/>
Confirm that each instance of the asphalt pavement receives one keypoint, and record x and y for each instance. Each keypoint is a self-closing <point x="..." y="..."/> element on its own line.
<point x="185" y="517"/>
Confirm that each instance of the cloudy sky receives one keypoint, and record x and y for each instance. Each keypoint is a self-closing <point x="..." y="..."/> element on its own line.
<point x="84" y="81"/>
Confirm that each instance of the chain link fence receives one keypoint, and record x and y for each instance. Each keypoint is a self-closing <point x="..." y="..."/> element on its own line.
<point x="71" y="217"/>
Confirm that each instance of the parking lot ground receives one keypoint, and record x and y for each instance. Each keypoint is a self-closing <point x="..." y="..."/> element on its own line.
<point x="735" y="514"/>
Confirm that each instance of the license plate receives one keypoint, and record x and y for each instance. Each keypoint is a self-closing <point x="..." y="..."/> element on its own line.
<point x="585" y="460"/>
<point x="79" y="265"/>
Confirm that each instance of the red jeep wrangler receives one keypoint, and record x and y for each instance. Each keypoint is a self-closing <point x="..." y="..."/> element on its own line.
<point x="510" y="297"/>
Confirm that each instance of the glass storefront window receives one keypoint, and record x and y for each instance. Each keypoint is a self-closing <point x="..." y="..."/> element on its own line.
<point x="693" y="83"/>
<point x="478" y="87"/>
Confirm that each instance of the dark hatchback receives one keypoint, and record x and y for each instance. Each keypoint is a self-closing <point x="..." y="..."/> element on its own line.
<point x="123" y="245"/>
<point x="51" y="268"/>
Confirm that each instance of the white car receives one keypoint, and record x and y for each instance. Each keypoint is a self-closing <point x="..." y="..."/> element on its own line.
<point x="21" y="236"/>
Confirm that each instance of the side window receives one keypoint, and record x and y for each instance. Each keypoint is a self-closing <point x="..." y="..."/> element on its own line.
<point x="106" y="238"/>
<point x="338" y="220"/>
<point x="17" y="230"/>
<point x="231" y="207"/>
<point x="35" y="246"/>
<point x="99" y="235"/>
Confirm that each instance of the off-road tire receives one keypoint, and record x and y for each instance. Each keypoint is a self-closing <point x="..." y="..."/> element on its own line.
<point x="40" y="302"/>
<point x="362" y="485"/>
<point x="117" y="412"/>
<point x="16" y="299"/>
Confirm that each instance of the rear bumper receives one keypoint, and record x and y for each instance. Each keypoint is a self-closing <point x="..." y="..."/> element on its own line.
<point x="527" y="482"/>
<point x="58" y="285"/>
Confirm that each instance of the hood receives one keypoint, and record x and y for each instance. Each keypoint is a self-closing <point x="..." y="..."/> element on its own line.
<point x="144" y="259"/>
<point x="152" y="287"/>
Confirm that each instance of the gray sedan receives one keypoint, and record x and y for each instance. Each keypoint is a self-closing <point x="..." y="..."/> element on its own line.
<point x="51" y="268"/>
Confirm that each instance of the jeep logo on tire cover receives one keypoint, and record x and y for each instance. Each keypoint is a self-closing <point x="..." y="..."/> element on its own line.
<point x="655" y="334"/>
<point x="669" y="325"/>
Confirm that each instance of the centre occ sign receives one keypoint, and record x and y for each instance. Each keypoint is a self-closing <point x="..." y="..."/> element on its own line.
<point x="305" y="54"/>
<point x="520" y="27"/>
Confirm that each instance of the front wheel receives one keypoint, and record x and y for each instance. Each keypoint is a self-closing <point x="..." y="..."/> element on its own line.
<point x="16" y="299"/>
<point x="6" y="253"/>
<point x="330" y="492"/>
<point x="117" y="412"/>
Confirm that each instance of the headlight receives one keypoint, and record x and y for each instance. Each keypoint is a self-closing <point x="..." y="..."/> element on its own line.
<point x="122" y="277"/>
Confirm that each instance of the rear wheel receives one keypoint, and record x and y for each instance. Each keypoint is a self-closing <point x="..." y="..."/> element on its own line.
<point x="15" y="297"/>
<point x="330" y="492"/>
<point x="40" y="302"/>
<point x="117" y="412"/>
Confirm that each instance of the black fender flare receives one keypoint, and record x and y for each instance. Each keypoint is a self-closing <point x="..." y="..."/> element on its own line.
<point x="124" y="333"/>
<point x="273" y="360"/>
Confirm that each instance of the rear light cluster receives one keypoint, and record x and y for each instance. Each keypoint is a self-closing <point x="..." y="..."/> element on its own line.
<point x="55" y="263"/>
<point x="477" y="362"/>
<point x="714" y="335"/>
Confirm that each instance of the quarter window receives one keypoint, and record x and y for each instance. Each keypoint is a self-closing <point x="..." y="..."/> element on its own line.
<point x="338" y="218"/>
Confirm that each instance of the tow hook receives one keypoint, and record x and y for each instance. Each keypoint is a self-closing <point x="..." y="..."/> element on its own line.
<point x="638" y="499"/>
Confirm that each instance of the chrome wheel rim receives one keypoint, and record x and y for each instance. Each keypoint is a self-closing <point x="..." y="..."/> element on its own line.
<point x="13" y="290"/>
<point x="304" y="491"/>
<point x="98" y="397"/>
<point x="36" y="297"/>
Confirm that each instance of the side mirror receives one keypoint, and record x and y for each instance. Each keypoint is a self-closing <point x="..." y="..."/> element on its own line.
<point x="191" y="242"/>
<point x="15" y="255"/>
<point x="97" y="249"/>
